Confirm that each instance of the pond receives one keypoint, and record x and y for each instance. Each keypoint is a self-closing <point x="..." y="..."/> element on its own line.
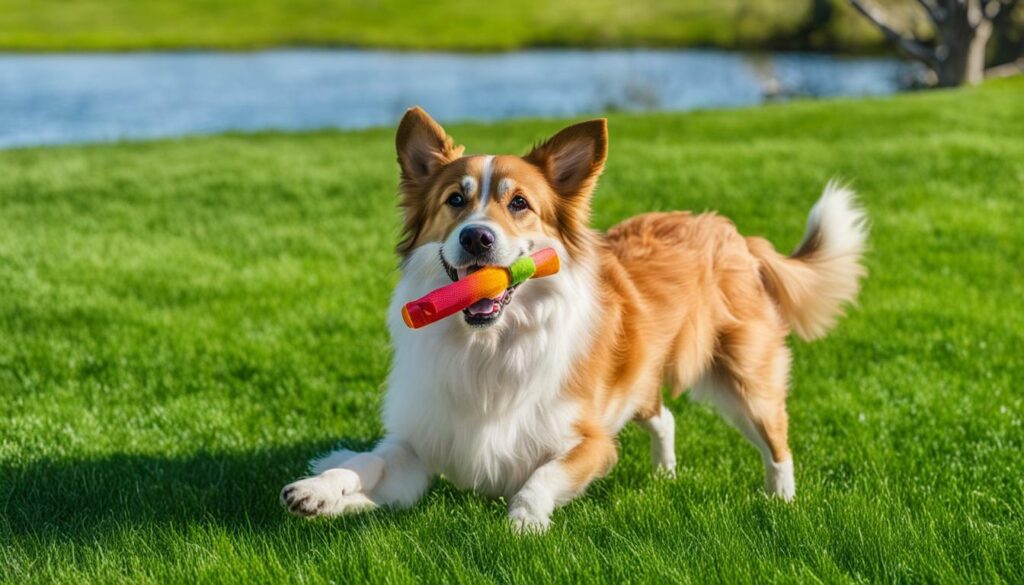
<point x="66" y="98"/>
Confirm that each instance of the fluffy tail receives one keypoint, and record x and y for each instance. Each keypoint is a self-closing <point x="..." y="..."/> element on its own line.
<point x="812" y="285"/>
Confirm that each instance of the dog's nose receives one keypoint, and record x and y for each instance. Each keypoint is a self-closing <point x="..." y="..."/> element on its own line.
<point x="476" y="239"/>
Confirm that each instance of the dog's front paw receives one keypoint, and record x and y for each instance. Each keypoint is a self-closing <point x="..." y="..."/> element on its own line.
<point x="525" y="521"/>
<point x="332" y="493"/>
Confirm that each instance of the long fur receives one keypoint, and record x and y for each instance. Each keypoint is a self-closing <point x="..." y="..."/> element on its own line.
<point x="823" y="274"/>
<point x="480" y="405"/>
<point x="527" y="404"/>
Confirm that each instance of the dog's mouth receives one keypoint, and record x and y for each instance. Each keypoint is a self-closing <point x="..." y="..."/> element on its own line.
<point x="485" y="311"/>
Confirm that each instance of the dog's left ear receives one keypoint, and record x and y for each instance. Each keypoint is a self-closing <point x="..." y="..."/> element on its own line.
<point x="423" y="147"/>
<point x="573" y="159"/>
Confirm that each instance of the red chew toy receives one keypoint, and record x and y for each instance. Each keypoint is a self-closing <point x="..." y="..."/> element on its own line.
<point x="486" y="283"/>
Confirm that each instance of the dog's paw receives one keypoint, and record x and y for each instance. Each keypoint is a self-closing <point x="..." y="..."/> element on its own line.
<point x="779" y="481"/>
<point x="525" y="521"/>
<point x="666" y="471"/>
<point x="332" y="493"/>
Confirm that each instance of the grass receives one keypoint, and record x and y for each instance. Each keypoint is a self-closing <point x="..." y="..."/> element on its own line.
<point x="411" y="24"/>
<point x="184" y="323"/>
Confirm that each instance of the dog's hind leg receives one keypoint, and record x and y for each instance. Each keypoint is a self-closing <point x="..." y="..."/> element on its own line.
<point x="747" y="383"/>
<point x="762" y="422"/>
<point x="662" y="428"/>
<point x="347" y="482"/>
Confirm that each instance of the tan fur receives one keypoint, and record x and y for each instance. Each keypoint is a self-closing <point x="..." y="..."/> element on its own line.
<point x="684" y="298"/>
<point x="809" y="286"/>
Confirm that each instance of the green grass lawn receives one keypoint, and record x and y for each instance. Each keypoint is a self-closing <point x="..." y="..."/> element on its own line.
<point x="414" y="24"/>
<point x="183" y="324"/>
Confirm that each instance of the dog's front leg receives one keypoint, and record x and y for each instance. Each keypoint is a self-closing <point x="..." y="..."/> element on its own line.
<point x="560" y="480"/>
<point x="346" y="482"/>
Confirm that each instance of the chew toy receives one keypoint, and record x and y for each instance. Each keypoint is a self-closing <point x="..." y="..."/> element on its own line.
<point x="486" y="283"/>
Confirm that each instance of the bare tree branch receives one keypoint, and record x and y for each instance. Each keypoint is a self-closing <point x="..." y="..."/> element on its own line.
<point x="962" y="29"/>
<point x="993" y="8"/>
<point x="975" y="12"/>
<point x="989" y="8"/>
<point x="913" y="48"/>
<point x="935" y="12"/>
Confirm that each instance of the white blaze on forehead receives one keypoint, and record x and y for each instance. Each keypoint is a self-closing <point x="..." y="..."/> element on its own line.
<point x="485" y="180"/>
<point x="504" y="186"/>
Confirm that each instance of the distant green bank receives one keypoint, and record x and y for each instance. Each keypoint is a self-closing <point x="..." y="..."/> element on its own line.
<point x="464" y="25"/>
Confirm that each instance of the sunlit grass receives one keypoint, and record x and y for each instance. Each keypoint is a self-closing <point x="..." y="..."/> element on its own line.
<point x="184" y="323"/>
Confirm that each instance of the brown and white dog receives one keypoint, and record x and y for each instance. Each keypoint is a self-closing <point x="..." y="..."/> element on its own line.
<point x="523" y="397"/>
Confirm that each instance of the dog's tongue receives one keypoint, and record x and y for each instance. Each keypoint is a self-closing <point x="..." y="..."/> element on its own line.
<point x="483" y="307"/>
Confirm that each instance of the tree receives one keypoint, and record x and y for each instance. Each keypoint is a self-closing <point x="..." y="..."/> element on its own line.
<point x="962" y="28"/>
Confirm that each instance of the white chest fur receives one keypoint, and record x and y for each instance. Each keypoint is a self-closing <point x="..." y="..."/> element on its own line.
<point x="486" y="407"/>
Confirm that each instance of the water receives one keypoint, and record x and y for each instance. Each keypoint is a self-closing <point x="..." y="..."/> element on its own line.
<point x="53" y="99"/>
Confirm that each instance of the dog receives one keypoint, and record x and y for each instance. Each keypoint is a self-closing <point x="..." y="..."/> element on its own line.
<point x="522" y="396"/>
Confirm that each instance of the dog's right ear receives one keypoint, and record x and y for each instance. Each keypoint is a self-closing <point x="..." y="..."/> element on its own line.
<point x="423" y="148"/>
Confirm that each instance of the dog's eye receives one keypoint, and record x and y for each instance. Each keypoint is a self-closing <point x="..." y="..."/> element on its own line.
<point x="456" y="200"/>
<point x="518" y="203"/>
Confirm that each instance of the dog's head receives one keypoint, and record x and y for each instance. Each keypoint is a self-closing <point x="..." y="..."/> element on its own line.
<point x="474" y="211"/>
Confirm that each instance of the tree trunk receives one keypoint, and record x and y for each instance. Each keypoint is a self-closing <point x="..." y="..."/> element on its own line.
<point x="960" y="53"/>
<point x="962" y="31"/>
<point x="975" y="72"/>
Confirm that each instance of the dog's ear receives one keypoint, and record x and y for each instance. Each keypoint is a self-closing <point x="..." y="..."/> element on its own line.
<point x="423" y="148"/>
<point x="573" y="159"/>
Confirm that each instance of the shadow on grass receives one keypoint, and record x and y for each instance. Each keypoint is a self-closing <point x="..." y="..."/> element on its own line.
<point x="56" y="499"/>
<point x="65" y="500"/>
